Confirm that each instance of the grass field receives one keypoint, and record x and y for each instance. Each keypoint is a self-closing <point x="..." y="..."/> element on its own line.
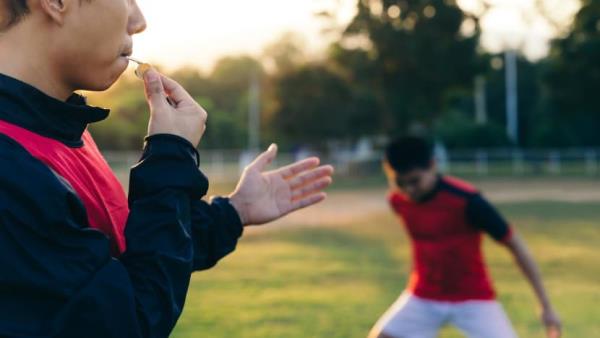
<point x="335" y="280"/>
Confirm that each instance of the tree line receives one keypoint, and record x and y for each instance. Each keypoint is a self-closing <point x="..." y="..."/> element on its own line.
<point x="400" y="66"/>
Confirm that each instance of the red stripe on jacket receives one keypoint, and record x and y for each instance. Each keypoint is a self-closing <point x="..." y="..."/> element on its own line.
<point x="86" y="170"/>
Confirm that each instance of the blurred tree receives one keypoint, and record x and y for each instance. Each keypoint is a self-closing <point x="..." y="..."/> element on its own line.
<point x="417" y="50"/>
<point x="529" y="92"/>
<point x="230" y="83"/>
<point x="286" y="53"/>
<point x="457" y="130"/>
<point x="357" y="69"/>
<point x="128" y="121"/>
<point x="571" y="108"/>
<point x="397" y="65"/>
<point x="283" y="56"/>
<point x="314" y="105"/>
<point x="223" y="93"/>
<point x="224" y="130"/>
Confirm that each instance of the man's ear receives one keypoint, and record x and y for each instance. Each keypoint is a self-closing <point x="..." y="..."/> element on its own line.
<point x="55" y="9"/>
<point x="385" y="165"/>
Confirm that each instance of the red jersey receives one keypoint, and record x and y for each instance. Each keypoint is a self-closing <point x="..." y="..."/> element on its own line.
<point x="446" y="229"/>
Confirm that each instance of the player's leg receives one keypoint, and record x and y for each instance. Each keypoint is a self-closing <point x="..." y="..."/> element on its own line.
<point x="482" y="319"/>
<point x="409" y="317"/>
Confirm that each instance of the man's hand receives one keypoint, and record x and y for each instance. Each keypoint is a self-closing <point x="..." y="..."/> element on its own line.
<point x="552" y="323"/>
<point x="261" y="197"/>
<point x="182" y="116"/>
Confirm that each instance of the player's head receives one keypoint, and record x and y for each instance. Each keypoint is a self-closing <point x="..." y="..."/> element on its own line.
<point x="80" y="42"/>
<point x="410" y="166"/>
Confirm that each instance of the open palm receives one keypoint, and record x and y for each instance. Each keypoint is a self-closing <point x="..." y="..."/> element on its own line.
<point x="261" y="197"/>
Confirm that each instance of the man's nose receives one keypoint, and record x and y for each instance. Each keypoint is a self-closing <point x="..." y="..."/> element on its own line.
<point x="137" y="21"/>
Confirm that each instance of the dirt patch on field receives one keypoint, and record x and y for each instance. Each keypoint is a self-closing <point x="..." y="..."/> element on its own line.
<point x="343" y="207"/>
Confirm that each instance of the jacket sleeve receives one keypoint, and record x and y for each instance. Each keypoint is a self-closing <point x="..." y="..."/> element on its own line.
<point x="216" y="228"/>
<point x="57" y="277"/>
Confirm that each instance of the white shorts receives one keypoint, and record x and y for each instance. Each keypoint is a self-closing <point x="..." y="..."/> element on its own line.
<point x="414" y="317"/>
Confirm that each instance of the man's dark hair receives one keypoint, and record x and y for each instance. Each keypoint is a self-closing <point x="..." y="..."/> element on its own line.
<point x="12" y="12"/>
<point x="408" y="153"/>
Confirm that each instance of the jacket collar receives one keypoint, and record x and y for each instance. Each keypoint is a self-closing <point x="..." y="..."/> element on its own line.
<point x="28" y="107"/>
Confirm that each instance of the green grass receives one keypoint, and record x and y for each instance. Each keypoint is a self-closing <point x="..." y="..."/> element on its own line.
<point x="336" y="282"/>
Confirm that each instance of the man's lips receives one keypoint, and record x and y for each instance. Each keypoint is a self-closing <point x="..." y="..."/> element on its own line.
<point x="127" y="52"/>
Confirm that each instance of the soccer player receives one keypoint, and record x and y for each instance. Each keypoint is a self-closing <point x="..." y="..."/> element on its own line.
<point x="79" y="258"/>
<point x="445" y="219"/>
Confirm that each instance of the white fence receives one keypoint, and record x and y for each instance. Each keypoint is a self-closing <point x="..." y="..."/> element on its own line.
<point x="227" y="165"/>
<point x="572" y="162"/>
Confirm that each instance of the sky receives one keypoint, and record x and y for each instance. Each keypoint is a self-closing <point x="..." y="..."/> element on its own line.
<point x="198" y="32"/>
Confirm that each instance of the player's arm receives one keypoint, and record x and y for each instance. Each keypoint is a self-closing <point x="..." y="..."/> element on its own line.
<point x="484" y="216"/>
<point x="527" y="265"/>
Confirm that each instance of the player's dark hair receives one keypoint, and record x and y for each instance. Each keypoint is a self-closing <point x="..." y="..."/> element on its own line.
<point x="408" y="153"/>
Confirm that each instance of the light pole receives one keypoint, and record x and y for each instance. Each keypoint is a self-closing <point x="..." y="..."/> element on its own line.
<point x="254" y="114"/>
<point x="512" y="109"/>
<point x="253" y="148"/>
<point x="480" y="100"/>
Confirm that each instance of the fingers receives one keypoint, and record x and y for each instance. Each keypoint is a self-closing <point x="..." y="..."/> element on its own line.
<point x="155" y="93"/>
<point x="176" y="92"/>
<point x="294" y="169"/>
<point x="310" y="175"/>
<point x="264" y="159"/>
<point x="308" y="201"/>
<point x="311" y="188"/>
<point x="308" y="189"/>
<point x="160" y="88"/>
